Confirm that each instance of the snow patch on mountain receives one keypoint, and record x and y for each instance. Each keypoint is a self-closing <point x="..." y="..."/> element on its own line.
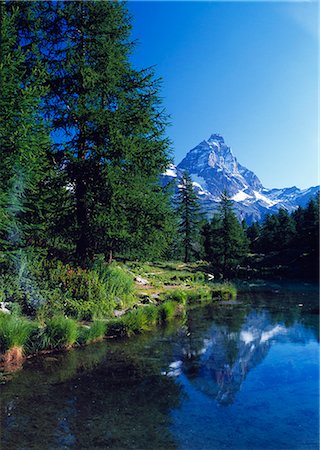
<point x="213" y="168"/>
<point x="265" y="199"/>
<point x="171" y="171"/>
<point x="240" y="196"/>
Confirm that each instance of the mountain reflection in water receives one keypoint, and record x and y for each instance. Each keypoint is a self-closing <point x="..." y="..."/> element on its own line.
<point x="221" y="364"/>
<point x="241" y="376"/>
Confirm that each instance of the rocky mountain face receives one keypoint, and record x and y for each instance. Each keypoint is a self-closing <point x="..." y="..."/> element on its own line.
<point x="213" y="168"/>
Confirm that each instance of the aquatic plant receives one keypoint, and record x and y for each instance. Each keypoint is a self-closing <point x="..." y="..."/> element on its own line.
<point x="116" y="327"/>
<point x="151" y="312"/>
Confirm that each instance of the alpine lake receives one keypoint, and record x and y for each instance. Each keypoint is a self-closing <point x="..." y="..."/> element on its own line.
<point x="231" y="375"/>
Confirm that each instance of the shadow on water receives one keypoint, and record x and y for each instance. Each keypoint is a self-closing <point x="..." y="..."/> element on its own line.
<point x="231" y="376"/>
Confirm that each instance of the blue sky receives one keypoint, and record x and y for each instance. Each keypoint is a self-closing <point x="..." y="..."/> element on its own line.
<point x="246" y="70"/>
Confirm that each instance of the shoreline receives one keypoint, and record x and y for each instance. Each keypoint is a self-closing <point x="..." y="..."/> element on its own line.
<point x="154" y="308"/>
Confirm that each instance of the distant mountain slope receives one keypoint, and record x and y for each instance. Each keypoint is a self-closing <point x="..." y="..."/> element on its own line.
<point x="213" y="168"/>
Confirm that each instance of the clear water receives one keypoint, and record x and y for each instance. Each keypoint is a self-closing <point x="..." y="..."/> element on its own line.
<point x="232" y="376"/>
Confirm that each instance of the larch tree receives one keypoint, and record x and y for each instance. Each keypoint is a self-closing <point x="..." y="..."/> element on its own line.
<point x="107" y="120"/>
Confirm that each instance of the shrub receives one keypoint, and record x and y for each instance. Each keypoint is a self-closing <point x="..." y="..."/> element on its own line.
<point x="93" y="332"/>
<point x="59" y="332"/>
<point x="84" y="294"/>
<point x="14" y="331"/>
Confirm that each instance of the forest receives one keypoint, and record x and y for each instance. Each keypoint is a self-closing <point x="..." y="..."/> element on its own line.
<point x="83" y="145"/>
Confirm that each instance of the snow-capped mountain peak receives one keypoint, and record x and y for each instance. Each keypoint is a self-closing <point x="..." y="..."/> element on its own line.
<point x="213" y="169"/>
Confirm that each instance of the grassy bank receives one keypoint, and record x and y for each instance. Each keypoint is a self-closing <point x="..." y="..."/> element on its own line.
<point x="80" y="306"/>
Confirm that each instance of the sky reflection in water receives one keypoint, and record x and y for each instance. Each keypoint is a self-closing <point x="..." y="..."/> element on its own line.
<point x="239" y="376"/>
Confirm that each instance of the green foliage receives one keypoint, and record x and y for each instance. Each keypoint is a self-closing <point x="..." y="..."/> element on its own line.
<point x="199" y="277"/>
<point x="226" y="244"/>
<point x="59" y="332"/>
<point x="111" y="124"/>
<point x="253" y="233"/>
<point x="138" y="320"/>
<point x="118" y="281"/>
<point x="14" y="331"/>
<point x="90" y="333"/>
<point x="200" y="294"/>
<point x="151" y="313"/>
<point x="223" y="291"/>
<point x="25" y="167"/>
<point x="176" y="295"/>
<point x="168" y="310"/>
<point x="188" y="210"/>
<point x="289" y="242"/>
<point x="174" y="277"/>
<point x="117" y="327"/>
<point x="46" y="288"/>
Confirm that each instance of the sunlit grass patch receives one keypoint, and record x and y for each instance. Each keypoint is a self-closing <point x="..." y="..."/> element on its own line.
<point x="59" y="332"/>
<point x="14" y="331"/>
<point x="93" y="332"/>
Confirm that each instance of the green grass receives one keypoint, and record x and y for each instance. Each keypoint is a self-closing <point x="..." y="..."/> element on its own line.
<point x="116" y="327"/>
<point x="176" y="295"/>
<point x="138" y="320"/>
<point x="59" y="333"/>
<point x="14" y="331"/>
<point x="93" y="294"/>
<point x="168" y="310"/>
<point x="223" y="291"/>
<point x="200" y="294"/>
<point x="143" y="319"/>
<point x="92" y="332"/>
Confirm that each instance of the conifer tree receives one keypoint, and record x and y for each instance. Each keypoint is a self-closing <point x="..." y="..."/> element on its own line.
<point x="268" y="233"/>
<point x="107" y="116"/>
<point x="228" y="243"/>
<point x="253" y="233"/>
<point x="285" y="230"/>
<point x="189" y="215"/>
<point x="310" y="230"/>
<point x="24" y="140"/>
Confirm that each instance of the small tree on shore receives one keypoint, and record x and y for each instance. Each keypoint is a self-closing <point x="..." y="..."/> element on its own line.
<point x="188" y="209"/>
<point x="227" y="239"/>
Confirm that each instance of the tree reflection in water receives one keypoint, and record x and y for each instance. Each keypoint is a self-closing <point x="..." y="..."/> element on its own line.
<point x="164" y="389"/>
